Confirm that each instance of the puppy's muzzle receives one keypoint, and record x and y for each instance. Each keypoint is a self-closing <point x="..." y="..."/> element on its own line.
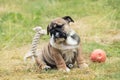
<point x="58" y="33"/>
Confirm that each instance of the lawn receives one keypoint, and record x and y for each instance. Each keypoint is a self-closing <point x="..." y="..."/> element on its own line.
<point x="96" y="21"/>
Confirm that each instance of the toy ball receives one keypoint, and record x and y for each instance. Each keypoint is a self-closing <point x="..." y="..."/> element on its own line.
<point x="98" y="55"/>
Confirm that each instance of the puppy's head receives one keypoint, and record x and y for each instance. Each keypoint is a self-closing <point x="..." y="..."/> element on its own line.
<point x="60" y="30"/>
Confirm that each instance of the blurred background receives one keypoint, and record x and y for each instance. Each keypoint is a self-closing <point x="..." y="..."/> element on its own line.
<point x="98" y="18"/>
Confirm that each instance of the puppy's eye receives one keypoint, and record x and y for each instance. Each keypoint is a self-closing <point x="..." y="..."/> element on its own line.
<point x="60" y="26"/>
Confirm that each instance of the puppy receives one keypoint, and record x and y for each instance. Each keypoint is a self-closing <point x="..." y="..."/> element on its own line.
<point x="63" y="49"/>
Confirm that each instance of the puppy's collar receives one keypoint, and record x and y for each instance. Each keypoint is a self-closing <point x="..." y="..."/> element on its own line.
<point x="61" y="46"/>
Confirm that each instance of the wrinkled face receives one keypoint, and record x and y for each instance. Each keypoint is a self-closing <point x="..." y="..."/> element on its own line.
<point x="60" y="30"/>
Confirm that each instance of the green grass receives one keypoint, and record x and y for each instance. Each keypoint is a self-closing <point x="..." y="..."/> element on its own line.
<point x="96" y="21"/>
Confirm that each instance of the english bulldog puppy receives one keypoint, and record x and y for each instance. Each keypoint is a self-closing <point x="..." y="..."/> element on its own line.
<point x="63" y="49"/>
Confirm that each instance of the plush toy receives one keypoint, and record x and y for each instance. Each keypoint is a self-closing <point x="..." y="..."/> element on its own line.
<point x="33" y="51"/>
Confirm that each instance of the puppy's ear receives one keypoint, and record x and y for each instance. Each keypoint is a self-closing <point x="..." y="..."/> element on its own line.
<point x="68" y="19"/>
<point x="48" y="30"/>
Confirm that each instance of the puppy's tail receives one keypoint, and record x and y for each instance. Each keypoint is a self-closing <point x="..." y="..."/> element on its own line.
<point x="35" y="41"/>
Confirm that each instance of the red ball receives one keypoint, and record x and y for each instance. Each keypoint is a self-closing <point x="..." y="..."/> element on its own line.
<point x="98" y="55"/>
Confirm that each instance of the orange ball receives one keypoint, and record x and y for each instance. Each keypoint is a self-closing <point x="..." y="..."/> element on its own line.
<point x="98" y="55"/>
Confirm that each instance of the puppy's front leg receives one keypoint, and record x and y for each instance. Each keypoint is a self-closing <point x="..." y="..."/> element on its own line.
<point x="59" y="61"/>
<point x="80" y="60"/>
<point x="40" y="62"/>
<point x="42" y="65"/>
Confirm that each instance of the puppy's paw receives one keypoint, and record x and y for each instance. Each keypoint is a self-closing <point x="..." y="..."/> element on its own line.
<point x="83" y="66"/>
<point x="46" y="67"/>
<point x="65" y="70"/>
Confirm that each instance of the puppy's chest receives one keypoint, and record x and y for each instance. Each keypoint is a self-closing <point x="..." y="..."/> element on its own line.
<point x="69" y="55"/>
